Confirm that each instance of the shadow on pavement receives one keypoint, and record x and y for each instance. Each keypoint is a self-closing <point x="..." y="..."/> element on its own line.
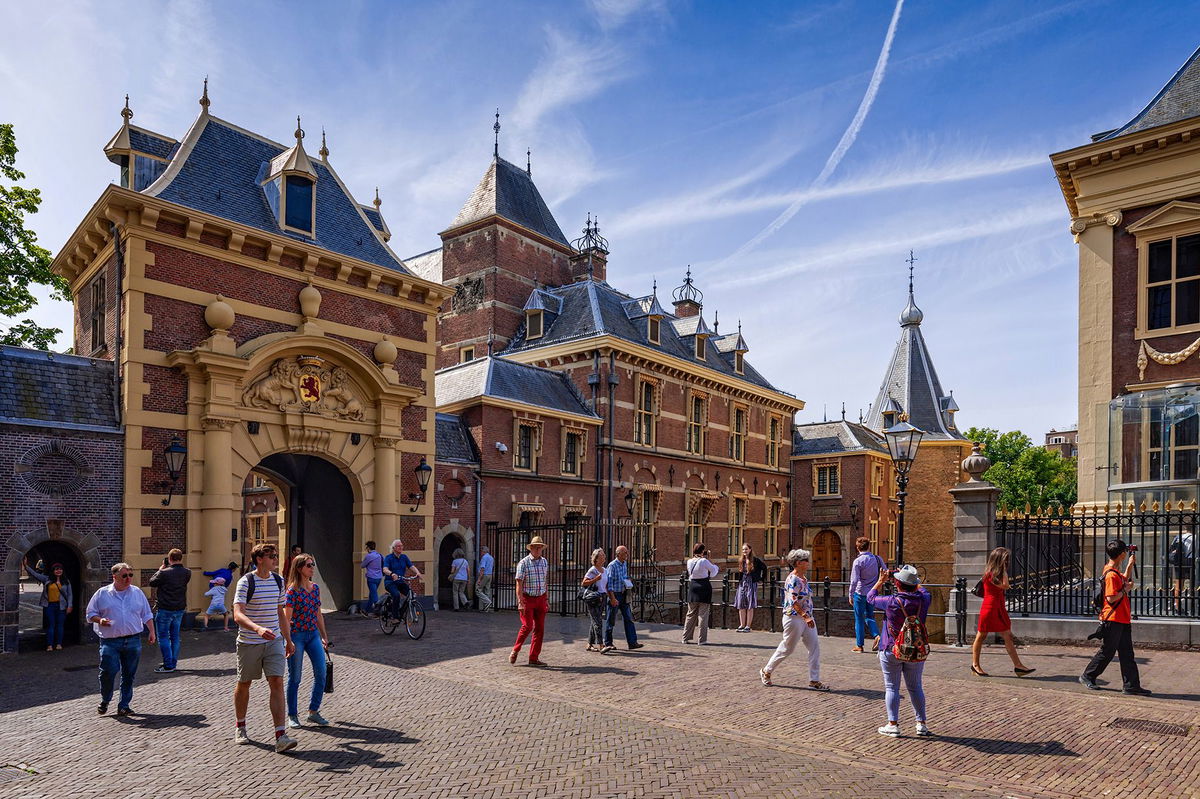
<point x="994" y="746"/>
<point x="347" y="754"/>
<point x="160" y="721"/>
<point x="594" y="670"/>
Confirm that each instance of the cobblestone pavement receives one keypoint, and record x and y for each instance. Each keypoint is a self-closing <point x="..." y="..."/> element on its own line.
<point x="447" y="716"/>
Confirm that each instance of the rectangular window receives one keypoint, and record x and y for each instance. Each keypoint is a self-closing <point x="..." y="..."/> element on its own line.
<point x="298" y="203"/>
<point x="876" y="479"/>
<point x="891" y="543"/>
<point x="647" y="517"/>
<point x="737" y="434"/>
<point x="571" y="451"/>
<point x="695" y="435"/>
<point x="700" y="347"/>
<point x="774" y="519"/>
<point x="695" y="530"/>
<point x="652" y="330"/>
<point x="1174" y="448"/>
<point x="533" y="327"/>
<point x="1173" y="282"/>
<point x="99" y="298"/>
<point x="873" y="534"/>
<point x="739" y="363"/>
<point x="774" y="436"/>
<point x="737" y="526"/>
<point x="466" y="354"/>
<point x="644" y="422"/>
<point x="828" y="481"/>
<point x="523" y="457"/>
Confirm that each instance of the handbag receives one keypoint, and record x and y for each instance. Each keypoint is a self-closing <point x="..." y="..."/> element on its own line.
<point x="589" y="595"/>
<point x="328" y="672"/>
<point x="978" y="589"/>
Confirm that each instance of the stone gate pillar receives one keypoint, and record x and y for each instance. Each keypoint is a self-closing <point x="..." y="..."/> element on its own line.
<point x="974" y="528"/>
<point x="220" y="510"/>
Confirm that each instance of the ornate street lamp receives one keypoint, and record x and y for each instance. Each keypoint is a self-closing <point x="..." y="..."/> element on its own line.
<point x="174" y="454"/>
<point x="423" y="471"/>
<point x="630" y="502"/>
<point x="903" y="440"/>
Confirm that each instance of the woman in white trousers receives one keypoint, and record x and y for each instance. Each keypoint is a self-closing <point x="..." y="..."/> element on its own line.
<point x="798" y="622"/>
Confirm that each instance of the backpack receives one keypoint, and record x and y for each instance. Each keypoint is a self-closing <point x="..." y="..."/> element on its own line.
<point x="252" y="581"/>
<point x="910" y="643"/>
<point x="1098" y="601"/>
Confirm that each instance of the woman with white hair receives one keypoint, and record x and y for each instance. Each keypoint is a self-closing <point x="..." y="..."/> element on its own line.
<point x="798" y="622"/>
<point x="595" y="583"/>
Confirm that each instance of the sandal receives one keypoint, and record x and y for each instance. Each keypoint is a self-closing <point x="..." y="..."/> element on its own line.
<point x="875" y="646"/>
<point x="818" y="686"/>
<point x="590" y="648"/>
<point x="979" y="672"/>
<point x="856" y="649"/>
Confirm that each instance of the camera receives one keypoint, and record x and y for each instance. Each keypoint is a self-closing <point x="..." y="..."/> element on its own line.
<point x="1132" y="548"/>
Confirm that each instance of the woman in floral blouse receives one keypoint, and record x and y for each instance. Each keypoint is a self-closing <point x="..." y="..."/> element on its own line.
<point x="303" y="611"/>
<point x="798" y="622"/>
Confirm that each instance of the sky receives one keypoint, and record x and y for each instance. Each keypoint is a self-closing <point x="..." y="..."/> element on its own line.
<point x="792" y="153"/>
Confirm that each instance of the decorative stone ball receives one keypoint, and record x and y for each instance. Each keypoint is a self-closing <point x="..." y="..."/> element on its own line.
<point x="975" y="464"/>
<point x="310" y="301"/>
<point x="386" y="352"/>
<point x="219" y="314"/>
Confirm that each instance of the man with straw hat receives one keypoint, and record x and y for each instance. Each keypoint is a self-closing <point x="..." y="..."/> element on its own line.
<point x="532" y="601"/>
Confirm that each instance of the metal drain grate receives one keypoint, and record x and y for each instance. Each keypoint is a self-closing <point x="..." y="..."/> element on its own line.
<point x="1146" y="725"/>
<point x="9" y="772"/>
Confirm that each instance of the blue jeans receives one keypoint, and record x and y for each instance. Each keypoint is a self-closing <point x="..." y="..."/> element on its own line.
<point x="373" y="591"/>
<point x="306" y="641"/>
<point x="623" y="607"/>
<point x="398" y="589"/>
<point x="864" y="619"/>
<point x="55" y="618"/>
<point x="166" y="624"/>
<point x="893" y="669"/>
<point x="119" y="654"/>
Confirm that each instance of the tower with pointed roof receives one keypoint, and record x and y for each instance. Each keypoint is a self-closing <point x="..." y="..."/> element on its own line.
<point x="1131" y="194"/>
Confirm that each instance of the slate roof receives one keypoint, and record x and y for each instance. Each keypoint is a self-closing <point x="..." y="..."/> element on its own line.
<point x="144" y="141"/>
<point x="594" y="308"/>
<point x="497" y="377"/>
<point x="1179" y="99"/>
<point x="828" y="438"/>
<point x="55" y="389"/>
<point x="912" y="383"/>
<point x="216" y="170"/>
<point x="507" y="190"/>
<point x="453" y="441"/>
<point x="427" y="265"/>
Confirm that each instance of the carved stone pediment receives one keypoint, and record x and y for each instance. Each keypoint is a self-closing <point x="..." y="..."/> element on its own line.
<point x="306" y="384"/>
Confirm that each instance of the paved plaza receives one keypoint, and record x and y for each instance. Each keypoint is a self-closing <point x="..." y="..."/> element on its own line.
<point x="447" y="716"/>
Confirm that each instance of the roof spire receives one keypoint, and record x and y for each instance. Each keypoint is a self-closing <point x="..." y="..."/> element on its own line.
<point x="591" y="238"/>
<point x="740" y="331"/>
<point x="378" y="202"/>
<point x="496" y="129"/>
<point x="654" y="288"/>
<point x="716" y="322"/>
<point x="528" y="162"/>
<point x="324" y="153"/>
<point x="204" y="101"/>
<point x="299" y="130"/>
<point x="911" y="315"/>
<point x="912" y="259"/>
<point x="688" y="291"/>
<point x="843" y="411"/>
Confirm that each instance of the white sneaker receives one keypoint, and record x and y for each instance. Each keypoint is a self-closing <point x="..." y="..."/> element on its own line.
<point x="891" y="728"/>
<point x="284" y="743"/>
<point x="293" y="722"/>
<point x="922" y="730"/>
<point x="240" y="737"/>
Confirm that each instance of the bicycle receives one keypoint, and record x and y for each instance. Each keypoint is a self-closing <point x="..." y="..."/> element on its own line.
<point x="412" y="616"/>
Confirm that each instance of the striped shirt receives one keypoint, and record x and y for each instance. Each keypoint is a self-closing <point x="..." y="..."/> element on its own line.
<point x="263" y="608"/>
<point x="533" y="573"/>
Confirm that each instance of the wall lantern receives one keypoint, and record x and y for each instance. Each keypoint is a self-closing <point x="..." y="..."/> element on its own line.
<point x="630" y="501"/>
<point x="174" y="454"/>
<point x="423" y="471"/>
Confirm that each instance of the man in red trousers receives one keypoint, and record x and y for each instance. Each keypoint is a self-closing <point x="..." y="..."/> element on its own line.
<point x="532" y="601"/>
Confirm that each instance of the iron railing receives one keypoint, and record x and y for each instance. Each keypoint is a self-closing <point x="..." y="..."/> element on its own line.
<point x="1058" y="559"/>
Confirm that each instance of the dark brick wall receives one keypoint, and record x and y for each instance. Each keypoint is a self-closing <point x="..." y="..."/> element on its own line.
<point x="84" y="345"/>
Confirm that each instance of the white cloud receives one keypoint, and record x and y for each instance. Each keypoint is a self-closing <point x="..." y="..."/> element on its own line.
<point x="612" y="14"/>
<point x="572" y="71"/>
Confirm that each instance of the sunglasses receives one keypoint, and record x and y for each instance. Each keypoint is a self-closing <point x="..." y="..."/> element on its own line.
<point x="125" y="575"/>
<point x="308" y="564"/>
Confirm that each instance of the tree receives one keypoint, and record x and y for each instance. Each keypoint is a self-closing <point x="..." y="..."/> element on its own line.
<point x="22" y="262"/>
<point x="1025" y="473"/>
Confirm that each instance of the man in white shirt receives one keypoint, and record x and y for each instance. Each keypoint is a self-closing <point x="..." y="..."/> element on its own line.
<point x="483" y="583"/>
<point x="118" y="612"/>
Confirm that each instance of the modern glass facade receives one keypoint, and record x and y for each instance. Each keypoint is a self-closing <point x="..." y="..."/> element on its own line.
<point x="1154" y="446"/>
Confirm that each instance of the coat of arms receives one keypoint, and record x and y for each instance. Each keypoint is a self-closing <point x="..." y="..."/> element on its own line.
<point x="309" y="385"/>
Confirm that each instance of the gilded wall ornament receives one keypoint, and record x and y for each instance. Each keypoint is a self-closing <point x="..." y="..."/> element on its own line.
<point x="306" y="384"/>
<point x="1148" y="353"/>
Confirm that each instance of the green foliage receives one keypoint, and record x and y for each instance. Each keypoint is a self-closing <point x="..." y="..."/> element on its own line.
<point x="22" y="262"/>
<point x="1026" y="473"/>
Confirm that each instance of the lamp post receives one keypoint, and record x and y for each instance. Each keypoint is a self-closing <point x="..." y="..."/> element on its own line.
<point x="423" y="471"/>
<point x="903" y="440"/>
<point x="174" y="455"/>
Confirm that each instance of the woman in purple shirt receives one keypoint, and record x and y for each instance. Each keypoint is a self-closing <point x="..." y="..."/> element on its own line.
<point x="910" y="599"/>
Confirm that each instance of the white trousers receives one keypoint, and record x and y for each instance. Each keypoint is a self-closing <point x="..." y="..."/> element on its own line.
<point x="795" y="630"/>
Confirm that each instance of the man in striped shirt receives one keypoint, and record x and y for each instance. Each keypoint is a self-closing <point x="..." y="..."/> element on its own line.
<point x="264" y="641"/>
<point x="532" y="601"/>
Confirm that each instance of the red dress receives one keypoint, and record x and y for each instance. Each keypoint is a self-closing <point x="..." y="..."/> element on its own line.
<point x="993" y="615"/>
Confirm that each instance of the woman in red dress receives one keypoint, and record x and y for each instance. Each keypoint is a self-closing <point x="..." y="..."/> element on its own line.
<point x="993" y="615"/>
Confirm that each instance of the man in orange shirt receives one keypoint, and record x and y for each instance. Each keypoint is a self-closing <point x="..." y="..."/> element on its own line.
<point x="1116" y="622"/>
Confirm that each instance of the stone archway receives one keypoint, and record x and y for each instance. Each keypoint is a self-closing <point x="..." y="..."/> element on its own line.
<point x="465" y="538"/>
<point x="93" y="573"/>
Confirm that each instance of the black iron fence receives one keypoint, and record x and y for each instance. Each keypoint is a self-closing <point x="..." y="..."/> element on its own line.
<point x="1058" y="560"/>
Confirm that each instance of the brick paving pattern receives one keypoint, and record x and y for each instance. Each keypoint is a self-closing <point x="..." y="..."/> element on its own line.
<point x="447" y="716"/>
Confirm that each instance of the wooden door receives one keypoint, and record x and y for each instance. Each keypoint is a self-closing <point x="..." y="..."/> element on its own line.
<point x="826" y="557"/>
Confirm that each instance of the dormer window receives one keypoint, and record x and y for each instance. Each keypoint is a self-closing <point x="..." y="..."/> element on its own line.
<point x="700" y="349"/>
<point x="653" y="327"/>
<point x="299" y="202"/>
<point x="533" y="324"/>
<point x="739" y="363"/>
<point x="889" y="419"/>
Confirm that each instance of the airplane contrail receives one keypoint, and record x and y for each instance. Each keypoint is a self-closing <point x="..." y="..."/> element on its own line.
<point x="843" y="145"/>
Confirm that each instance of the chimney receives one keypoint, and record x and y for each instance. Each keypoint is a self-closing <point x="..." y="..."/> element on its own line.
<point x="688" y="299"/>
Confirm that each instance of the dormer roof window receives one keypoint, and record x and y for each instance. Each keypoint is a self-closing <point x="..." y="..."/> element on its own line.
<point x="290" y="185"/>
<point x="739" y="363"/>
<point x="298" y="203"/>
<point x="701" y="347"/>
<point x="533" y="324"/>
<point x="654" y="329"/>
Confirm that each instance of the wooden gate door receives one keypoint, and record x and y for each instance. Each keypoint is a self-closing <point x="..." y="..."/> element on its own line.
<point x="827" y="556"/>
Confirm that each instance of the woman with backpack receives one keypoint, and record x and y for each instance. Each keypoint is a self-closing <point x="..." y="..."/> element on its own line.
<point x="798" y="622"/>
<point x="993" y="614"/>
<point x="904" y="644"/>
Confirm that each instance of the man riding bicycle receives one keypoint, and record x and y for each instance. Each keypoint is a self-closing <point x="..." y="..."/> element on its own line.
<point x="397" y="566"/>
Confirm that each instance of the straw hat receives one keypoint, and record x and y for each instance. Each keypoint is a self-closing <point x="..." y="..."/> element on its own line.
<point x="536" y="542"/>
